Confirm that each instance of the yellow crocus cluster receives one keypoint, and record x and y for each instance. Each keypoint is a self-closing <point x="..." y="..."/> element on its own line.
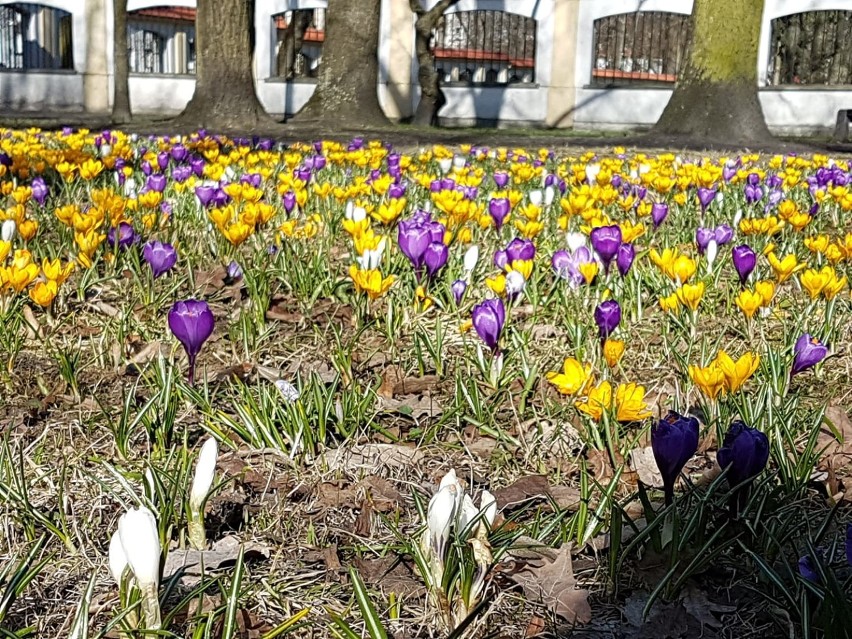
<point x="628" y="404"/>
<point x="724" y="374"/>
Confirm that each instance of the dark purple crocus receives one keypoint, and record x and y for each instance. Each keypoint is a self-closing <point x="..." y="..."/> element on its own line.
<point x="705" y="197"/>
<point x="674" y="441"/>
<point x="191" y="321"/>
<point x="659" y="212"/>
<point x="435" y="258"/>
<point x="162" y="160"/>
<point x="605" y="242"/>
<point x="743" y="454"/>
<point x="500" y="179"/>
<point x="607" y="317"/>
<point x="807" y="352"/>
<point x="40" y="190"/>
<point x="498" y="208"/>
<point x="703" y="236"/>
<point x="520" y="249"/>
<point x="161" y="257"/>
<point x="753" y="193"/>
<point x="625" y="257"/>
<point x="488" y="319"/>
<point x="413" y="240"/>
<point x="122" y="237"/>
<point x="459" y="287"/>
<point x="179" y="153"/>
<point x="744" y="259"/>
<point x="806" y="569"/>
<point x="156" y="182"/>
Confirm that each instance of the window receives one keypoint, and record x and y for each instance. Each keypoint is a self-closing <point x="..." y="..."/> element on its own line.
<point x="811" y="48"/>
<point x="299" y="37"/>
<point x="33" y="36"/>
<point x="485" y="48"/>
<point x="162" y="40"/>
<point x="646" y="47"/>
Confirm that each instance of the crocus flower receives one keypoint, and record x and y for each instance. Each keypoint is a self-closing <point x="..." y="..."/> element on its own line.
<point x="498" y="208"/>
<point x="806" y="569"/>
<point x="743" y="454"/>
<point x="625" y="257"/>
<point x="488" y="320"/>
<point x="705" y="197"/>
<point x="156" y="182"/>
<point x="471" y="257"/>
<point x="161" y="257"/>
<point x="414" y="238"/>
<point x="8" y="230"/>
<point x="458" y="287"/>
<point x="117" y="559"/>
<point x="723" y="234"/>
<point x="807" y="352"/>
<point x="659" y="212"/>
<point x="674" y="441"/>
<point x="520" y="249"/>
<point x="607" y="317"/>
<point x="500" y="179"/>
<point x="605" y="242"/>
<point x="703" y="237"/>
<point x="744" y="259"/>
<point x="234" y="271"/>
<point x="191" y="321"/>
<point x="137" y="531"/>
<point x="205" y="469"/>
<point x="435" y="258"/>
<point x="122" y="237"/>
<point x="40" y="190"/>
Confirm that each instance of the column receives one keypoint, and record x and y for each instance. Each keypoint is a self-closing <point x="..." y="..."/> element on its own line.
<point x="396" y="53"/>
<point x="562" y="94"/>
<point x="96" y="78"/>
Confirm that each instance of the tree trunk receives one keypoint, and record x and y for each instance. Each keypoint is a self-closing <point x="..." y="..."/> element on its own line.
<point x="716" y="95"/>
<point x="431" y="96"/>
<point x="121" y="93"/>
<point x="224" y="95"/>
<point x="346" y="94"/>
<point x="291" y="46"/>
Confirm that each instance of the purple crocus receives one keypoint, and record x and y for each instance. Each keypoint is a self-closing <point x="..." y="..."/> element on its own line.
<point x="289" y="201"/>
<point x="806" y="569"/>
<point x="498" y="208"/>
<point x="624" y="258"/>
<point x="488" y="319"/>
<point x="659" y="212"/>
<point x="162" y="160"/>
<point x="414" y="238"/>
<point x="807" y="352"/>
<point x="500" y="179"/>
<point x="156" y="182"/>
<point x="40" y="190"/>
<point x="674" y="441"/>
<point x="191" y="321"/>
<point x="161" y="257"/>
<point x="744" y="454"/>
<point x="233" y="272"/>
<point x="607" y="317"/>
<point x="459" y="287"/>
<point x="703" y="237"/>
<point x="122" y="237"/>
<point x="520" y="249"/>
<point x="705" y="197"/>
<point x="435" y="258"/>
<point x="179" y="153"/>
<point x="567" y="265"/>
<point x="723" y="234"/>
<point x="753" y="193"/>
<point x="744" y="259"/>
<point x="605" y="242"/>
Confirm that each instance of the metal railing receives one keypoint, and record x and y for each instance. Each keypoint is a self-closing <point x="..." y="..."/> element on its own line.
<point x="646" y="47"/>
<point x="33" y="36"/>
<point x="485" y="47"/>
<point x="299" y="38"/>
<point x="161" y="40"/>
<point x="811" y="48"/>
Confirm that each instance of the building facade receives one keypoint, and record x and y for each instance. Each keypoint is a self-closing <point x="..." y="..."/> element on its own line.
<point x="591" y="64"/>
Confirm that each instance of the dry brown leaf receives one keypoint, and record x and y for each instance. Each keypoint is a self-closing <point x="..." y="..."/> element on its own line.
<point x="835" y="437"/>
<point x="194" y="563"/>
<point x="391" y="376"/>
<point x="413" y="406"/>
<point x="381" y="493"/>
<point x="522" y="490"/>
<point x="642" y="461"/>
<point x="334" y="495"/>
<point x="535" y="627"/>
<point x="600" y="465"/>
<point x="31" y="323"/>
<point x="240" y="371"/>
<point x="553" y="584"/>
<point x="696" y="603"/>
<point x="364" y="521"/>
<point x="415" y="385"/>
<point x="566" y="497"/>
<point x="391" y="574"/>
<point x="370" y="457"/>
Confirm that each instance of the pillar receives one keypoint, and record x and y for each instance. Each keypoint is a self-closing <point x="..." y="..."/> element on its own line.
<point x="562" y="93"/>
<point x="96" y="86"/>
<point x="396" y="55"/>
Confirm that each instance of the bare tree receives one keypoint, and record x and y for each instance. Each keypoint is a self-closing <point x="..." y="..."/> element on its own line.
<point x="346" y="92"/>
<point x="121" y="93"/>
<point x="224" y="95"/>
<point x="431" y="96"/>
<point x="716" y="94"/>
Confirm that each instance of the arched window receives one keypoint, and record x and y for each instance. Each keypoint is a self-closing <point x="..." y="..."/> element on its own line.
<point x="811" y="48"/>
<point x="299" y="36"/>
<point x="646" y="47"/>
<point x="490" y="46"/>
<point x="162" y="40"/>
<point x="33" y="36"/>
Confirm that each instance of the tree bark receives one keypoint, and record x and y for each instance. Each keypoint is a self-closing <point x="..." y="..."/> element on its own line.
<point x="121" y="93"/>
<point x="346" y="92"/>
<point x="716" y="96"/>
<point x="224" y="95"/>
<point x="431" y="96"/>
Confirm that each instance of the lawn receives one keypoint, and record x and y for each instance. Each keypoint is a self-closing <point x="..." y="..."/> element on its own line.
<point x="339" y="390"/>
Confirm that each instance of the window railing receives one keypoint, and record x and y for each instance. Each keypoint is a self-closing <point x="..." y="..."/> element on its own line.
<point x="33" y="36"/>
<point x="646" y="47"/>
<point x="161" y="40"/>
<point x="299" y="38"/>
<point x="485" y="47"/>
<point x="811" y="48"/>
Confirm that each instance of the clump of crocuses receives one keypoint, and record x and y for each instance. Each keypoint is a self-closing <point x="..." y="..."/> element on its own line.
<point x="191" y="322"/>
<point x="674" y="441"/>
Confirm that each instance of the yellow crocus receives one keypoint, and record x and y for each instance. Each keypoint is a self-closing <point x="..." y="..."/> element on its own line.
<point x="613" y="350"/>
<point x="573" y="378"/>
<point x="736" y="373"/>
<point x="749" y="302"/>
<point x="834" y="286"/>
<point x="670" y="304"/>
<point x="370" y="281"/>
<point x="630" y="403"/>
<point x="814" y="281"/>
<point x="690" y="295"/>
<point x="43" y="293"/>
<point x="766" y="290"/>
<point x="784" y="268"/>
<point x="20" y="277"/>
<point x="53" y="270"/>
<point x="709" y="379"/>
<point x="598" y="401"/>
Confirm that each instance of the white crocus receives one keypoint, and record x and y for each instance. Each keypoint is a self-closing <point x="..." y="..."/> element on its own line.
<point x="738" y="216"/>
<point x="287" y="390"/>
<point x="549" y="195"/>
<point x="355" y="213"/>
<point x="106" y="149"/>
<point x="471" y="257"/>
<point x="131" y="189"/>
<point x="575" y="240"/>
<point x="488" y="506"/>
<point x="137" y="530"/>
<point x="439" y="519"/>
<point x="592" y="171"/>
<point x="536" y="197"/>
<point x="515" y="283"/>
<point x="451" y="480"/>
<point x="8" y="230"/>
<point x="117" y="559"/>
<point x="445" y="164"/>
<point x="468" y="513"/>
<point x="459" y="162"/>
<point x="710" y="253"/>
<point x="371" y="258"/>
<point x="205" y="470"/>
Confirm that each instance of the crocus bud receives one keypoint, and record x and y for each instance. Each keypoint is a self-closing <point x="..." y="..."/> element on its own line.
<point x="439" y="518"/>
<point x="8" y="230"/>
<point x="674" y="441"/>
<point x="445" y="164"/>
<point x="471" y="257"/>
<point x="710" y="253"/>
<point x="515" y="284"/>
<point x="536" y="197"/>
<point x="488" y="506"/>
<point x="458" y="288"/>
<point x="549" y="195"/>
<point x="117" y="559"/>
<point x="205" y="469"/>
<point x="137" y="530"/>
<point x="575" y="241"/>
<point x="467" y="514"/>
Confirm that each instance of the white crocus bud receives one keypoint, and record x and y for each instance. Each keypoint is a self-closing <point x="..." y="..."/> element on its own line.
<point x="130" y="188"/>
<point x="592" y="171"/>
<point x="205" y="469"/>
<point x="439" y="519"/>
<point x="117" y="559"/>
<point x="287" y="390"/>
<point x="137" y="530"/>
<point x="471" y="257"/>
<point x="467" y="514"/>
<point x="106" y="149"/>
<point x="575" y="240"/>
<point x="371" y="258"/>
<point x="515" y="282"/>
<point x="459" y="162"/>
<point x="451" y="480"/>
<point x="8" y="230"/>
<point x="710" y="253"/>
<point x="549" y="195"/>
<point x="536" y="197"/>
<point x="488" y="506"/>
<point x="738" y="216"/>
<point x="445" y="164"/>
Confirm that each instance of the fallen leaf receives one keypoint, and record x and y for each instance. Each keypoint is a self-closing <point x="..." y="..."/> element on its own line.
<point x="391" y="574"/>
<point x="195" y="563"/>
<point x="642" y="461"/>
<point x="381" y="493"/>
<point x="391" y="376"/>
<point x="32" y="325"/>
<point x="835" y="437"/>
<point x="334" y="495"/>
<point x="370" y="457"/>
<point x="329" y="555"/>
<point x="364" y="521"/>
<point x="696" y="603"/>
<point x="665" y="620"/>
<point x="535" y="627"/>
<point x="522" y="490"/>
<point x="240" y="371"/>
<point x="415" y="407"/>
<point x="553" y="584"/>
<point x="565" y="497"/>
<point x="415" y="385"/>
